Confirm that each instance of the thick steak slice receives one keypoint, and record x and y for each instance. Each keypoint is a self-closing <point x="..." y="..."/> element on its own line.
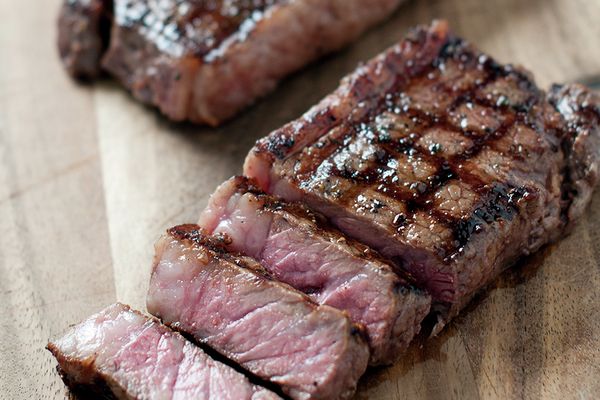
<point x="296" y="248"/>
<point x="269" y="328"/>
<point x="446" y="162"/>
<point x="83" y="29"/>
<point x="205" y="60"/>
<point x="123" y="354"/>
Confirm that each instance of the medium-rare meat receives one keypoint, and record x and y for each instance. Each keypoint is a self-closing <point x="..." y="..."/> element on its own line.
<point x="120" y="353"/>
<point x="204" y="61"/>
<point x="231" y="304"/>
<point x="445" y="161"/>
<point x="296" y="248"/>
<point x="83" y="30"/>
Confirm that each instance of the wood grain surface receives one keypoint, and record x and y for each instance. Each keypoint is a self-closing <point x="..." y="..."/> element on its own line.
<point x="89" y="179"/>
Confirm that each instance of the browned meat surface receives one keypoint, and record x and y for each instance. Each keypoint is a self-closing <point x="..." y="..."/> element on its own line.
<point x="83" y="29"/>
<point x="205" y="60"/>
<point x="447" y="162"/>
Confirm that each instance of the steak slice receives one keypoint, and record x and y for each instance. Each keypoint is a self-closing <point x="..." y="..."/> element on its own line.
<point x="120" y="353"/>
<point x="204" y="61"/>
<point x="277" y="333"/>
<point x="446" y="162"/>
<point x="83" y="30"/>
<point x="296" y="248"/>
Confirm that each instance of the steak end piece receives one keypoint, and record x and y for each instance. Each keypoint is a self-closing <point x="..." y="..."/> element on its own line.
<point x="83" y="32"/>
<point x="120" y="353"/>
<point x="297" y="248"/>
<point x="580" y="109"/>
<point x="448" y="163"/>
<point x="233" y="305"/>
<point x="205" y="61"/>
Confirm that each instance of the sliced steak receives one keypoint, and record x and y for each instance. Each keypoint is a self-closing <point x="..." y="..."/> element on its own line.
<point x="204" y="61"/>
<point x="120" y="353"/>
<point x="446" y="162"/>
<point x="83" y="29"/>
<point x="296" y="248"/>
<point x="231" y="304"/>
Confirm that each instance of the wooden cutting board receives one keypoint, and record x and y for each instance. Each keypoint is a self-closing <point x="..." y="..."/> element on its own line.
<point x="89" y="179"/>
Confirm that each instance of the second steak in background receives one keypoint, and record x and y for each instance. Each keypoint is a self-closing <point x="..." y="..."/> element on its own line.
<point x="230" y="303"/>
<point x="204" y="61"/>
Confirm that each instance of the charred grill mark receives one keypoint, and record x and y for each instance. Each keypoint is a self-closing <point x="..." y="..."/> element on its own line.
<point x="368" y="147"/>
<point x="500" y="203"/>
<point x="449" y="50"/>
<point x="167" y="23"/>
<point x="198" y="236"/>
<point x="319" y="155"/>
<point x="279" y="144"/>
<point x="190" y="231"/>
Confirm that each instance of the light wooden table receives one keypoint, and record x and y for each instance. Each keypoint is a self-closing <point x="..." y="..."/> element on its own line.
<point x="89" y="179"/>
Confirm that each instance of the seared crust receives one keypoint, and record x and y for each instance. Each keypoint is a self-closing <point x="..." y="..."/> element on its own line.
<point x="217" y="250"/>
<point x="447" y="162"/>
<point x="83" y="28"/>
<point x="205" y="61"/>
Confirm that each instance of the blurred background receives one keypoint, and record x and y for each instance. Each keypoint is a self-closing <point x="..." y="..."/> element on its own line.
<point x="89" y="178"/>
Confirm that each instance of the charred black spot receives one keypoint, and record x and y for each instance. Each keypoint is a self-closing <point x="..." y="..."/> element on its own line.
<point x="187" y="231"/>
<point x="501" y="203"/>
<point x="452" y="47"/>
<point x="376" y="205"/>
<point x="279" y="144"/>
<point x="106" y="21"/>
<point x="399" y="220"/>
<point x="312" y="290"/>
<point x="357" y="330"/>
<point x="434" y="148"/>
<point x="444" y="174"/>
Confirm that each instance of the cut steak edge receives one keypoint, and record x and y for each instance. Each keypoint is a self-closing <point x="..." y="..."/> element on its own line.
<point x="298" y="248"/>
<point x="231" y="304"/>
<point x="124" y="354"/>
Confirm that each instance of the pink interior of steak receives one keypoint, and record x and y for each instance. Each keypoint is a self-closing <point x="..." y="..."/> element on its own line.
<point x="332" y="270"/>
<point x="419" y="154"/>
<point x="270" y="329"/>
<point x="136" y="357"/>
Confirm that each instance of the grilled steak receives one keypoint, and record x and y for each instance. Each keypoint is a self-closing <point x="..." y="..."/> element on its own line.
<point x="446" y="162"/>
<point x="229" y="303"/>
<point x="83" y="30"/>
<point x="205" y="60"/>
<point x="122" y="354"/>
<point x="291" y="243"/>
